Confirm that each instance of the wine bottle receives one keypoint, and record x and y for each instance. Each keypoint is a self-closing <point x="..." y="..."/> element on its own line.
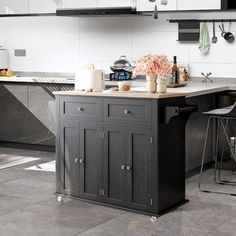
<point x="175" y="72"/>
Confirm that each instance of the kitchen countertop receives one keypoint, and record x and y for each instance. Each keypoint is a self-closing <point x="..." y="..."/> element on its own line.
<point x="194" y="88"/>
<point x="35" y="79"/>
<point x="191" y="90"/>
<point x="130" y="94"/>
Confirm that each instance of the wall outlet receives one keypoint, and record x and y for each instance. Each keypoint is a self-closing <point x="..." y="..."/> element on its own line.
<point x="20" y="53"/>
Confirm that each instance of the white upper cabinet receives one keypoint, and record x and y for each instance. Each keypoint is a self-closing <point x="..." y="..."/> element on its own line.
<point x="77" y="3"/>
<point x="15" y="7"/>
<point x="145" y="5"/>
<point x="199" y="5"/>
<point x="43" y="6"/>
<point x="116" y="3"/>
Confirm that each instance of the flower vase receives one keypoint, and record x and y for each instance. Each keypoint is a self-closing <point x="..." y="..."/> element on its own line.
<point x="161" y="84"/>
<point x="151" y="84"/>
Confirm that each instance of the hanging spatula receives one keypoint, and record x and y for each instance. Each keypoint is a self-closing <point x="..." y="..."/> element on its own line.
<point x="214" y="38"/>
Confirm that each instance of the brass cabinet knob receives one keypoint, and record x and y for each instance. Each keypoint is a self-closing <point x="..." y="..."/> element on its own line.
<point x="128" y="168"/>
<point x="76" y="160"/>
<point x="123" y="167"/>
<point x="81" y="161"/>
<point x="126" y="112"/>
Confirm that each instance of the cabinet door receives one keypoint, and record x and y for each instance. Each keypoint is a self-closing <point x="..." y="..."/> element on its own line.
<point x="145" y="5"/>
<point x="78" y="3"/>
<point x="90" y="159"/>
<point x="114" y="165"/>
<point x="67" y="158"/>
<point x="115" y="3"/>
<point x="41" y="123"/>
<point x="139" y="168"/>
<point x="199" y="5"/>
<point x="43" y="6"/>
<point x="14" y="113"/>
<point x="16" y="7"/>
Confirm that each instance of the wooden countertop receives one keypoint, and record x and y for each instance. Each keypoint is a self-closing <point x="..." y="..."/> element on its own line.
<point x="130" y="94"/>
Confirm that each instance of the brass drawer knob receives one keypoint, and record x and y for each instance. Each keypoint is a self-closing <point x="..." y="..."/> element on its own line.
<point x="123" y="167"/>
<point x="128" y="168"/>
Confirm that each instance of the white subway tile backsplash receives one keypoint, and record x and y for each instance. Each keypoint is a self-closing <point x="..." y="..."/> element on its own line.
<point x="160" y="43"/>
<point x="44" y="65"/>
<point x="46" y="46"/>
<point x="104" y="45"/>
<point x="65" y="44"/>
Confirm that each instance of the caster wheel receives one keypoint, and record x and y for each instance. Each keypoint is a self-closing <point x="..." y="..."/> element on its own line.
<point x="59" y="199"/>
<point x="153" y="219"/>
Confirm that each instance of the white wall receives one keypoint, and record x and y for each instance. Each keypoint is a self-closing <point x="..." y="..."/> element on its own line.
<point x="60" y="44"/>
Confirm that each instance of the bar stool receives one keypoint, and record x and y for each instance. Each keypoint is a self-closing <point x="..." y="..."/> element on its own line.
<point x="223" y="117"/>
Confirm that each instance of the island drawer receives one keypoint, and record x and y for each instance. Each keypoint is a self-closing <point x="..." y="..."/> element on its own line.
<point x="83" y="108"/>
<point x="127" y="111"/>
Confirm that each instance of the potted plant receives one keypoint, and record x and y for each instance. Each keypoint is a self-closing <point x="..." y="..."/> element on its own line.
<point x="157" y="69"/>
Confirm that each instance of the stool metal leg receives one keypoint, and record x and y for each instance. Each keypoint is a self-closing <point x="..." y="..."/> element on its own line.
<point x="227" y="139"/>
<point x="220" y="181"/>
<point x="204" y="153"/>
<point x="221" y="159"/>
<point x="216" y="147"/>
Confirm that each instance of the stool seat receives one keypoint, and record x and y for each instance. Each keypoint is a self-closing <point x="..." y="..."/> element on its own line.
<point x="223" y="112"/>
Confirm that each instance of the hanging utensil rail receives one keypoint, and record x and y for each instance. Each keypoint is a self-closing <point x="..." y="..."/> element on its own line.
<point x="207" y="20"/>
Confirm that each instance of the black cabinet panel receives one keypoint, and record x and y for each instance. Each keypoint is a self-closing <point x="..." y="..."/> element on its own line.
<point x="69" y="166"/>
<point x="114" y="164"/>
<point x="139" y="168"/>
<point x="127" y="111"/>
<point x="90" y="159"/>
<point x="84" y="109"/>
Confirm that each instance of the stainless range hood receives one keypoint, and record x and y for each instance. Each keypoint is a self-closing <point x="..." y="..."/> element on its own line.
<point x="118" y="11"/>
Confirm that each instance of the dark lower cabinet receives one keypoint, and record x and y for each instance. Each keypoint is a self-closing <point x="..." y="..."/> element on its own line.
<point x="90" y="161"/>
<point x="134" y="165"/>
<point x="68" y="170"/>
<point x="115" y="161"/>
<point x="139" y="169"/>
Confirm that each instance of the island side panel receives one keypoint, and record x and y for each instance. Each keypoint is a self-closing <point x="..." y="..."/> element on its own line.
<point x="170" y="156"/>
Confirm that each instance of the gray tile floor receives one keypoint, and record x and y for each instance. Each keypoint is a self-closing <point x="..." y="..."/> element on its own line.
<point x="29" y="208"/>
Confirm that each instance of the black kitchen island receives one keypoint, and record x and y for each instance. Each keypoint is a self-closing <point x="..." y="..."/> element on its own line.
<point x="125" y="149"/>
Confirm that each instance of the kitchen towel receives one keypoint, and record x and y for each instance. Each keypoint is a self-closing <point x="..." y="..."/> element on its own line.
<point x="204" y="40"/>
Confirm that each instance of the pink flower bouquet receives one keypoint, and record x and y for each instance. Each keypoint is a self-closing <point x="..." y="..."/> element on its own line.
<point x="153" y="65"/>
